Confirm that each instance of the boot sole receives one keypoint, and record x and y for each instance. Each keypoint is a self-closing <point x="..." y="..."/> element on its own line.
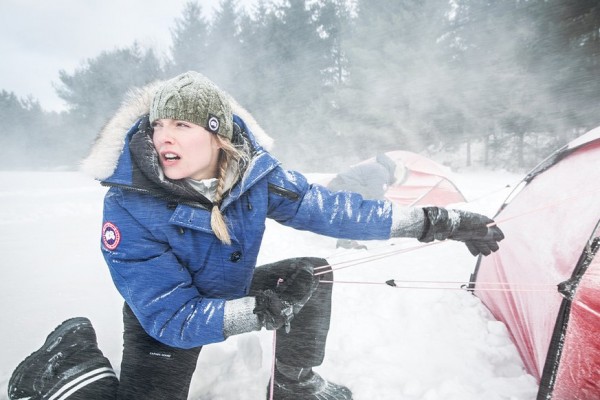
<point x="53" y="339"/>
<point x="82" y="375"/>
<point x="320" y="389"/>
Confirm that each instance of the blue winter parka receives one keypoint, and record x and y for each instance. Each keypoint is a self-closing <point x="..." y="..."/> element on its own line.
<point x="172" y="270"/>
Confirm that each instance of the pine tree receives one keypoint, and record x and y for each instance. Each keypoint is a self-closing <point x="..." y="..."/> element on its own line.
<point x="287" y="60"/>
<point x="94" y="90"/>
<point x="396" y="78"/>
<point x="189" y="50"/>
<point x="566" y="54"/>
<point x="224" y="58"/>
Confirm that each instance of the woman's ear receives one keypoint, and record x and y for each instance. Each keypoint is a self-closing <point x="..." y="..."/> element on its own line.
<point x="216" y="142"/>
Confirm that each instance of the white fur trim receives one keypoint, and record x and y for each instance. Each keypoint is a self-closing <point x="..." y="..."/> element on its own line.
<point x="105" y="153"/>
<point x="261" y="136"/>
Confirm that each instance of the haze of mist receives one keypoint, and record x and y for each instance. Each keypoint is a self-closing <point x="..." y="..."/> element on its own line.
<point x="467" y="83"/>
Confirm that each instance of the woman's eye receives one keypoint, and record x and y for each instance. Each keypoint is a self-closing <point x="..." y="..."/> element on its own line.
<point x="184" y="125"/>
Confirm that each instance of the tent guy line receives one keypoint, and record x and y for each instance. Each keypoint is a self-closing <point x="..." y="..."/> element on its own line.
<point x="493" y="192"/>
<point x="548" y="205"/>
<point x="273" y="361"/>
<point x="361" y="260"/>
<point x="463" y="286"/>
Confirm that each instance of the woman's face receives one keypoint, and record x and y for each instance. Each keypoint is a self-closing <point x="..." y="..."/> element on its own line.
<point x="185" y="150"/>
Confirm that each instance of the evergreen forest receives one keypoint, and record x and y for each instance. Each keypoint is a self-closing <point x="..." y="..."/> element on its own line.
<point x="495" y="83"/>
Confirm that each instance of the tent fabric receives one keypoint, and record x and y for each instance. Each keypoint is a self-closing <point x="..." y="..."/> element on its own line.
<point x="549" y="223"/>
<point x="425" y="182"/>
<point x="574" y="371"/>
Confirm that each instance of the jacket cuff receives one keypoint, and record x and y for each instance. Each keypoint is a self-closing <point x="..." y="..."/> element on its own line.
<point x="407" y="221"/>
<point x="239" y="317"/>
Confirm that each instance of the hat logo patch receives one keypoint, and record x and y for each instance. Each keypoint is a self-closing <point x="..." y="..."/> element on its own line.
<point x="213" y="123"/>
<point x="111" y="236"/>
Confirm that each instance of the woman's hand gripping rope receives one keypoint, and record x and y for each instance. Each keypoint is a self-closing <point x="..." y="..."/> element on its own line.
<point x="478" y="232"/>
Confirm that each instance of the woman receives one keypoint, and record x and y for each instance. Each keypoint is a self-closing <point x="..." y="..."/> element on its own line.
<point x="190" y="188"/>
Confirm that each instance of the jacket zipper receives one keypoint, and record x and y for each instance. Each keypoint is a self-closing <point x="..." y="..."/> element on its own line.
<point x="159" y="195"/>
<point x="283" y="192"/>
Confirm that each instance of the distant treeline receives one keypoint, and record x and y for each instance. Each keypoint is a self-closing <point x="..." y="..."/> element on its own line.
<point x="335" y="82"/>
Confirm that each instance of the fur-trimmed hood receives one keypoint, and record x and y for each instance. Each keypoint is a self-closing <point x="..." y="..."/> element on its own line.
<point x="104" y="156"/>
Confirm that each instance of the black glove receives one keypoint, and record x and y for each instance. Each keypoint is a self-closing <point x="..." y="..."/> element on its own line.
<point x="277" y="307"/>
<point x="470" y="228"/>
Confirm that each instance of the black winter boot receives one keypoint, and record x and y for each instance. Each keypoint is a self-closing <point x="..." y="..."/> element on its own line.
<point x="311" y="387"/>
<point x="68" y="361"/>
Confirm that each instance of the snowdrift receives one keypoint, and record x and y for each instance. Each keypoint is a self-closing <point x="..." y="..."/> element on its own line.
<point x="544" y="282"/>
<point x="384" y="343"/>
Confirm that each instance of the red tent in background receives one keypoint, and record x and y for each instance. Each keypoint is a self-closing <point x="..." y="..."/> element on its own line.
<point x="425" y="182"/>
<point x="544" y="282"/>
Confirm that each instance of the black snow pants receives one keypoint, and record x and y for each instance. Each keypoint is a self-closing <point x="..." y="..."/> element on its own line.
<point x="151" y="370"/>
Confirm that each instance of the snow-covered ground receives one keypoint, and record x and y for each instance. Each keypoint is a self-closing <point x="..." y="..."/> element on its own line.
<point x="384" y="342"/>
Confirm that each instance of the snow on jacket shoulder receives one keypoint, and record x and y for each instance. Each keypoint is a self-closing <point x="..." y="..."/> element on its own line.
<point x="170" y="267"/>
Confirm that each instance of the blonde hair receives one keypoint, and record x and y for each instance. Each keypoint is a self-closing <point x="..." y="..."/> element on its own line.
<point x="232" y="159"/>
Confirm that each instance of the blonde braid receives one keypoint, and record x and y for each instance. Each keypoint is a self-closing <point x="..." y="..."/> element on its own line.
<point x="234" y="157"/>
<point x="217" y="220"/>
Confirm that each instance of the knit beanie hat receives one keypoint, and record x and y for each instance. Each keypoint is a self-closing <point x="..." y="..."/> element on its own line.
<point x="194" y="98"/>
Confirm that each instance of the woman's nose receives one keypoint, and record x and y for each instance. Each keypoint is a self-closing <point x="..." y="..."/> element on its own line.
<point x="164" y="136"/>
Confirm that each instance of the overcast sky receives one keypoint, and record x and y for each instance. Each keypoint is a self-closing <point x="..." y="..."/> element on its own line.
<point x="38" y="38"/>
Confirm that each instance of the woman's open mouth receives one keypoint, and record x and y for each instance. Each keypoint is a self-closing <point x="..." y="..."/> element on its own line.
<point x="171" y="156"/>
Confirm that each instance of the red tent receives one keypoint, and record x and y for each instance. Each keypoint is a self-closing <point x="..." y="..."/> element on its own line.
<point x="425" y="182"/>
<point x="544" y="282"/>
